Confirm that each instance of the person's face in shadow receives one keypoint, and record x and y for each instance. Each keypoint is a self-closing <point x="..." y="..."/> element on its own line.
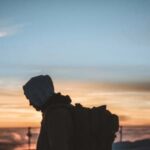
<point x="30" y="101"/>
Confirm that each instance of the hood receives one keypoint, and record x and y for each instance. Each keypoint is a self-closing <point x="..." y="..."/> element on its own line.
<point x="38" y="90"/>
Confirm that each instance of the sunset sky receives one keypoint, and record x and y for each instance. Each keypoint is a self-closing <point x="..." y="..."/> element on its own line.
<point x="96" y="51"/>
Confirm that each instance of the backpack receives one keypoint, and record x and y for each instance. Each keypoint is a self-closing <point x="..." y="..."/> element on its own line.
<point x="94" y="128"/>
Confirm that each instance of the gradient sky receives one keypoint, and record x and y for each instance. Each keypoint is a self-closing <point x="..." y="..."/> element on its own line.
<point x="101" y="49"/>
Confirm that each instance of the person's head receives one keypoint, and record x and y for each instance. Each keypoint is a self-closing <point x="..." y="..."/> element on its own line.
<point x="38" y="90"/>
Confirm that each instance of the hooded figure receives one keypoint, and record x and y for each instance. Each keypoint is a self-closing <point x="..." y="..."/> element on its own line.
<point x="56" y="125"/>
<point x="38" y="90"/>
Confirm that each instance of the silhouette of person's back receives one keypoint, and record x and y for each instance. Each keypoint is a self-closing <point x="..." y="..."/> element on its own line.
<point x="68" y="127"/>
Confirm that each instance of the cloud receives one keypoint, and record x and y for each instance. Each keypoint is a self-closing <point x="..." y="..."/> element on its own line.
<point x="124" y="117"/>
<point x="3" y="34"/>
<point x="9" y="30"/>
<point x="12" y="137"/>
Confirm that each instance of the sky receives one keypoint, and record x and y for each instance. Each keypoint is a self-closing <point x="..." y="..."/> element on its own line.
<point x="98" y="52"/>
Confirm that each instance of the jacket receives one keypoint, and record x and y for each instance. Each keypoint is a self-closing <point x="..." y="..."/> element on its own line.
<point x="56" y="126"/>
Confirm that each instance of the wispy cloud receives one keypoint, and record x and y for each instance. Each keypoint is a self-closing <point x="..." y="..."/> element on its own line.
<point x="3" y="34"/>
<point x="9" y="30"/>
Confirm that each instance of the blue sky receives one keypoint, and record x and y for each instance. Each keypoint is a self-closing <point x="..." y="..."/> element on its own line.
<point x="87" y="33"/>
<point x="106" y="41"/>
<point x="107" y="35"/>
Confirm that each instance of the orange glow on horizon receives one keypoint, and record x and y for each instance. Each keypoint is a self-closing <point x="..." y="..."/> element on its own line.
<point x="16" y="112"/>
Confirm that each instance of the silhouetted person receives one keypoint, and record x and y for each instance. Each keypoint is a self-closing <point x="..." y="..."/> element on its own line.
<point x="29" y="135"/>
<point x="120" y="131"/>
<point x="56" y="126"/>
<point x="68" y="127"/>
